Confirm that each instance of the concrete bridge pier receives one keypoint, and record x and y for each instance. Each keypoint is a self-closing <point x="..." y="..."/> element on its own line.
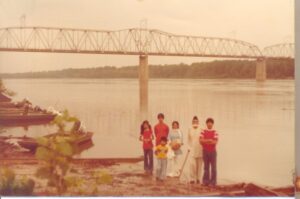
<point x="261" y="70"/>
<point x="143" y="83"/>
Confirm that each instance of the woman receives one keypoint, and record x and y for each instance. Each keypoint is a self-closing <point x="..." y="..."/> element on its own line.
<point x="175" y="142"/>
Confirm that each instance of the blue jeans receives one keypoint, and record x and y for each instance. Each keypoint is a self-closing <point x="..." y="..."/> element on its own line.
<point x="148" y="160"/>
<point x="210" y="168"/>
<point x="161" y="168"/>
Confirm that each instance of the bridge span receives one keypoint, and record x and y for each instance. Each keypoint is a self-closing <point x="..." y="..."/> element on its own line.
<point x="137" y="41"/>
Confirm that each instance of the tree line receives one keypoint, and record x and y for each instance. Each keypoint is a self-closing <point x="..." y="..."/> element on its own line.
<point x="276" y="69"/>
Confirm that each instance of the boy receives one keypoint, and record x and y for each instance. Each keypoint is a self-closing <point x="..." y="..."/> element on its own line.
<point x="160" y="129"/>
<point x="195" y="148"/>
<point x="161" y="151"/>
<point x="209" y="140"/>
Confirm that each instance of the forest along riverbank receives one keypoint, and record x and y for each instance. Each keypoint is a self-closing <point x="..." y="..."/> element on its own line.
<point x="124" y="175"/>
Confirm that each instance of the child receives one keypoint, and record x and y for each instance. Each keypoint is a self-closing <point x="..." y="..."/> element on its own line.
<point x="146" y="137"/>
<point x="176" y="141"/>
<point x="161" y="151"/>
<point x="195" y="148"/>
<point x="160" y="129"/>
<point x="209" y="140"/>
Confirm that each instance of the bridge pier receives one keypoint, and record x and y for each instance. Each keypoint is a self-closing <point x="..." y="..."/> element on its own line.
<point x="261" y="70"/>
<point x="143" y="83"/>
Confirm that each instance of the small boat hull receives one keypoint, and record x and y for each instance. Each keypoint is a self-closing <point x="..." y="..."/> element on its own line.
<point x="4" y="98"/>
<point x="7" y="119"/>
<point x="82" y="140"/>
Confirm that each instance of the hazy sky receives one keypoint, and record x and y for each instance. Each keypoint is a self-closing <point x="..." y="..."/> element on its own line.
<point x="261" y="22"/>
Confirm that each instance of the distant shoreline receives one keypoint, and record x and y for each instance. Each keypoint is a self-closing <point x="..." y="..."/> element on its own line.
<point x="225" y="69"/>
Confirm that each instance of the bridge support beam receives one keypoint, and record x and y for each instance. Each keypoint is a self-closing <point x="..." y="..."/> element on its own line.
<point x="261" y="70"/>
<point x="143" y="81"/>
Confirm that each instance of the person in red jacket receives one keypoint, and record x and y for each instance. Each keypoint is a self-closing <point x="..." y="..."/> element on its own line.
<point x="209" y="140"/>
<point x="160" y="129"/>
<point x="146" y="137"/>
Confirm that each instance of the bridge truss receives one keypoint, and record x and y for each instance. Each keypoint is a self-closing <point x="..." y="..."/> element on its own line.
<point x="280" y="51"/>
<point x="123" y="42"/>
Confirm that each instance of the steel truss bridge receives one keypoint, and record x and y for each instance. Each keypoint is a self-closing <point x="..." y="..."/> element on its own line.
<point x="132" y="42"/>
<point x="141" y="42"/>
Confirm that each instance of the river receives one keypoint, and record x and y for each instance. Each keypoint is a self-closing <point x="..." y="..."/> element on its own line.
<point x="255" y="121"/>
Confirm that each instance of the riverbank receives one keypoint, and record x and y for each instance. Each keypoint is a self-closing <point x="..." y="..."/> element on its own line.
<point x="128" y="179"/>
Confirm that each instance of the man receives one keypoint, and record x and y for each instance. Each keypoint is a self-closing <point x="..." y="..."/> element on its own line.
<point x="209" y="140"/>
<point x="195" y="149"/>
<point x="160" y="129"/>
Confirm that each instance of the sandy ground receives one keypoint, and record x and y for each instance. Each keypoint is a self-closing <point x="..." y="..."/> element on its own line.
<point x="128" y="180"/>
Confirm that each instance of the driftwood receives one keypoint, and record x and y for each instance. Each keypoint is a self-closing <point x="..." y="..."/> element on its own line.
<point x="255" y="190"/>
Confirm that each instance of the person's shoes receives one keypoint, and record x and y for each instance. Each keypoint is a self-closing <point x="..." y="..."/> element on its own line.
<point x="204" y="185"/>
<point x="212" y="185"/>
<point x="198" y="181"/>
<point x="192" y="182"/>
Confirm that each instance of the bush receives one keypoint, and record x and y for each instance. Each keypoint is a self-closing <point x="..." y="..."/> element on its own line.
<point x="9" y="186"/>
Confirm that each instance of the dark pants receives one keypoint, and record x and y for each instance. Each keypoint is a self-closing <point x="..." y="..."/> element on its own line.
<point x="148" y="159"/>
<point x="210" y="168"/>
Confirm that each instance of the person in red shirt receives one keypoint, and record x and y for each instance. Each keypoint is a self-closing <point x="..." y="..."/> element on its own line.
<point x="209" y="140"/>
<point x="160" y="129"/>
<point x="146" y="137"/>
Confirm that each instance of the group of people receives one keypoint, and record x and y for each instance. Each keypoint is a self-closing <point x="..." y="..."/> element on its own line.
<point x="167" y="149"/>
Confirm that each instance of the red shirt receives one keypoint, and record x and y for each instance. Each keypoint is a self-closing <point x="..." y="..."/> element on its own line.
<point x="209" y="134"/>
<point x="147" y="144"/>
<point x="161" y="130"/>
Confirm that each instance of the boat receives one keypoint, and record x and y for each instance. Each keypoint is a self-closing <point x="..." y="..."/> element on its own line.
<point x="80" y="139"/>
<point x="17" y="111"/>
<point x="7" y="105"/>
<point x="13" y="118"/>
<point x="4" y="98"/>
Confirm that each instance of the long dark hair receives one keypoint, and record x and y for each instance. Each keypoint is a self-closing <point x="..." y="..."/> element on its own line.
<point x="142" y="126"/>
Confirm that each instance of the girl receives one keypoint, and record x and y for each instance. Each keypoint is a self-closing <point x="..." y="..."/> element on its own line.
<point x="146" y="137"/>
<point x="175" y="142"/>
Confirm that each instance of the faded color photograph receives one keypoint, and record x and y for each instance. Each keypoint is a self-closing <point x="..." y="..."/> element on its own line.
<point x="147" y="98"/>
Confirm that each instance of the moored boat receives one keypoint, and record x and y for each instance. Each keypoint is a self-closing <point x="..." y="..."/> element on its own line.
<point x="79" y="139"/>
<point x="4" y="98"/>
<point x="7" y="105"/>
<point x="9" y="118"/>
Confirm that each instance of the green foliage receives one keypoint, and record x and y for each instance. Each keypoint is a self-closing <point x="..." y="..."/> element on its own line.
<point x="62" y="121"/>
<point x="215" y="69"/>
<point x="10" y="186"/>
<point x="56" y="153"/>
<point x="89" y="186"/>
<point x="102" y="177"/>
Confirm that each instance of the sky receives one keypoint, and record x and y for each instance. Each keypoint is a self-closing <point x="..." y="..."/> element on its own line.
<point x="261" y="22"/>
